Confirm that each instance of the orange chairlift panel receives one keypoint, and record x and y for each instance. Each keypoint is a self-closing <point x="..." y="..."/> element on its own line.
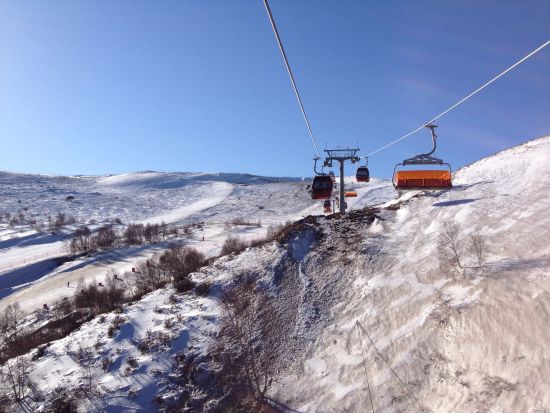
<point x="425" y="179"/>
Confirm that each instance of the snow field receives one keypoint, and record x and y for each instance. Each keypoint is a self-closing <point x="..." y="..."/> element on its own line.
<point x="469" y="343"/>
<point x="462" y="340"/>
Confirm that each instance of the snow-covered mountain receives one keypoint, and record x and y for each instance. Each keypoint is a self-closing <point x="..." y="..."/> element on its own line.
<point x="425" y="302"/>
<point x="30" y="272"/>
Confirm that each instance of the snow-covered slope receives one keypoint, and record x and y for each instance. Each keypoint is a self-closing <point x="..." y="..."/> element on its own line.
<point x="29" y="274"/>
<point x="462" y="340"/>
<point x="373" y="302"/>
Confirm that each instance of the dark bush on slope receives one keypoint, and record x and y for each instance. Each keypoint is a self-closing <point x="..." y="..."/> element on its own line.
<point x="233" y="245"/>
<point x="178" y="262"/>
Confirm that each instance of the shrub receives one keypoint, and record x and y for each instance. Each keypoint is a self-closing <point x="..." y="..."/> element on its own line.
<point x="134" y="234"/>
<point x="154" y="340"/>
<point x="233" y="245"/>
<point x="40" y="352"/>
<point x="203" y="289"/>
<point x="132" y="362"/>
<point x="178" y="262"/>
<point x="184" y="285"/>
<point x="106" y="362"/>
<point x="115" y="326"/>
<point x="62" y="401"/>
<point x="106" y="237"/>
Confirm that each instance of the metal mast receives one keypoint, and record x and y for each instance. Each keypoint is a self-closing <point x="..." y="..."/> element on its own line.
<point x="341" y="155"/>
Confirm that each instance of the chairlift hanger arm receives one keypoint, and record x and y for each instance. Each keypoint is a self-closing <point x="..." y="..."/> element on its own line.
<point x="426" y="158"/>
<point x="431" y="127"/>
<point x="315" y="167"/>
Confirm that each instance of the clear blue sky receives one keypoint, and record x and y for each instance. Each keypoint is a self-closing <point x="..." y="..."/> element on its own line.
<point x="90" y="87"/>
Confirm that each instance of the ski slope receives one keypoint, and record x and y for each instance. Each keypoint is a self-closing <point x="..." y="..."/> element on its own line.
<point x="476" y="340"/>
<point x="465" y="339"/>
<point x="29" y="276"/>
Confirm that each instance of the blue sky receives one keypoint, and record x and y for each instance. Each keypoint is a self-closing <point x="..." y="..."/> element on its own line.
<point x="90" y="87"/>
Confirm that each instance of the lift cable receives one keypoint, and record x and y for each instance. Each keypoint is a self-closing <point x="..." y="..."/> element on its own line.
<point x="390" y="367"/>
<point x="281" y="48"/>
<point x="365" y="366"/>
<point x="461" y="101"/>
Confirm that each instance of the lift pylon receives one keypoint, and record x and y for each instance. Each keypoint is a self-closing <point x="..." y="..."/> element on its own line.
<point x="341" y="155"/>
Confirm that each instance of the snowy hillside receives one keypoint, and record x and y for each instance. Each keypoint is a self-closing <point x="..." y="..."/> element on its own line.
<point x="462" y="339"/>
<point x="429" y="302"/>
<point x="31" y="273"/>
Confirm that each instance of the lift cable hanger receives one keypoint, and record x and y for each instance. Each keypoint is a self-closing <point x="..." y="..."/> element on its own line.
<point x="538" y="49"/>
<point x="289" y="70"/>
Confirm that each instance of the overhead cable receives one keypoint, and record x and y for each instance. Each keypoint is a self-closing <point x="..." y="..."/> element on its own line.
<point x="388" y="364"/>
<point x="365" y="367"/>
<point x="281" y="48"/>
<point x="479" y="89"/>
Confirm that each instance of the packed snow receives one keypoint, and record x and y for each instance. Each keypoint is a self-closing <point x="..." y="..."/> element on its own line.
<point x="372" y="300"/>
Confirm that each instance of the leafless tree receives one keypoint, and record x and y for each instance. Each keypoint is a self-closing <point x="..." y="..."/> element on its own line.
<point x="15" y="378"/>
<point x="251" y="343"/>
<point x="179" y="261"/>
<point x="114" y="291"/>
<point x="134" y="234"/>
<point x="106" y="237"/>
<point x="60" y="221"/>
<point x="478" y="248"/>
<point x="233" y="245"/>
<point x="164" y="230"/>
<point x="452" y="244"/>
<point x="85" y="359"/>
<point x="11" y="320"/>
<point x="152" y="233"/>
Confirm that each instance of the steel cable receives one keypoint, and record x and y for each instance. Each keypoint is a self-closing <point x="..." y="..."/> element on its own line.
<point x="479" y="89"/>
<point x="365" y="366"/>
<point x="389" y="366"/>
<point x="289" y="70"/>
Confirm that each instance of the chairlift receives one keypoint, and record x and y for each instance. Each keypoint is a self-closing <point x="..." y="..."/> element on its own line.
<point x="321" y="187"/>
<point x="363" y="174"/>
<point x="425" y="179"/>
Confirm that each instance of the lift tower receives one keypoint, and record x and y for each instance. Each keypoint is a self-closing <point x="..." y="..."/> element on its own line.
<point x="341" y="155"/>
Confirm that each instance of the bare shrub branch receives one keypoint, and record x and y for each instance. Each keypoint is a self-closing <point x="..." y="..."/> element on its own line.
<point x="478" y="249"/>
<point x="233" y="245"/>
<point x="452" y="244"/>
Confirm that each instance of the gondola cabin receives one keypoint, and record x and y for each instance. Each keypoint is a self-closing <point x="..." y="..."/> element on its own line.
<point x="321" y="188"/>
<point x="362" y="174"/>
<point x="327" y="206"/>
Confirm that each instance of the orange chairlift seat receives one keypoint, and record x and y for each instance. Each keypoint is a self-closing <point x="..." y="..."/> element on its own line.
<point x="350" y="194"/>
<point x="423" y="178"/>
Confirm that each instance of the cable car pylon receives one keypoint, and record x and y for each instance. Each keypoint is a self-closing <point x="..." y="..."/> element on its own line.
<point x="341" y="156"/>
